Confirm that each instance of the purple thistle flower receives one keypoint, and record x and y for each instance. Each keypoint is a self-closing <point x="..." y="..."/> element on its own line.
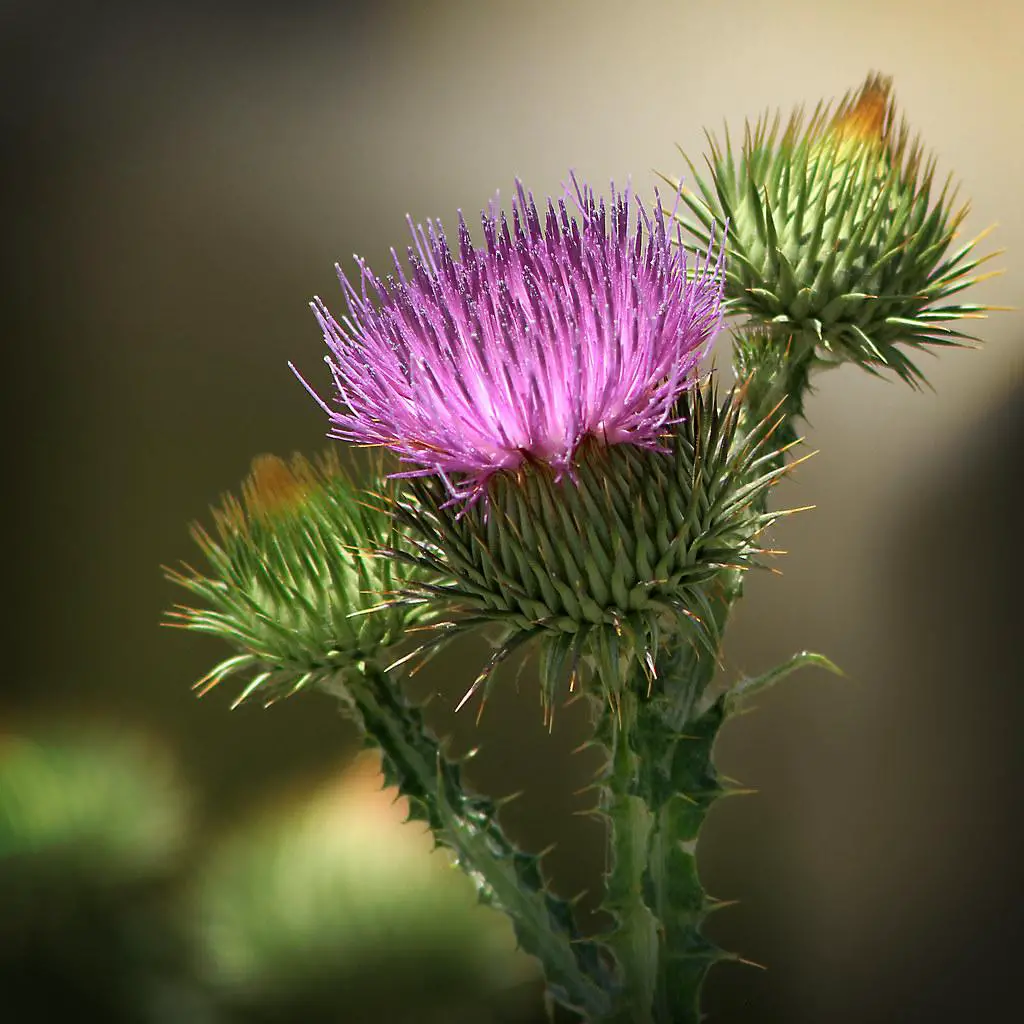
<point x="556" y="331"/>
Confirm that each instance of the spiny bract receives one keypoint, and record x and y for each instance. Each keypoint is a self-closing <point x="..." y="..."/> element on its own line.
<point x="605" y="564"/>
<point x="835" y="242"/>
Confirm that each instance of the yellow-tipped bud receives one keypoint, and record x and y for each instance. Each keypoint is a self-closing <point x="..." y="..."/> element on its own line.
<point x="294" y="581"/>
<point x="836" y="245"/>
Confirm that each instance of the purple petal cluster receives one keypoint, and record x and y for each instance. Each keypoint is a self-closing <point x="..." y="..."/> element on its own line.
<point x="579" y="323"/>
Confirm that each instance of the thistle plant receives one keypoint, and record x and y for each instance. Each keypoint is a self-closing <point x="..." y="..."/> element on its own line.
<point x="569" y="480"/>
<point x="293" y="584"/>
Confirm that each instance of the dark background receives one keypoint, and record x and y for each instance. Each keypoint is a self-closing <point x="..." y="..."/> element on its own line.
<point x="178" y="180"/>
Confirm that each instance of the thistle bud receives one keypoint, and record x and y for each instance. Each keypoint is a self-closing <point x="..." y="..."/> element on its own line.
<point x="837" y="241"/>
<point x="293" y="583"/>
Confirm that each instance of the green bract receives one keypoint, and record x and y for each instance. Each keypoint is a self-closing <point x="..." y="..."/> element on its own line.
<point x="604" y="563"/>
<point x="293" y="582"/>
<point x="834" y="238"/>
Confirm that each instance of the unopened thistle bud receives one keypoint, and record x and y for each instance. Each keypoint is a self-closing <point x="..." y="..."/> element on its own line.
<point x="573" y="482"/>
<point x="837" y="244"/>
<point x="292" y="580"/>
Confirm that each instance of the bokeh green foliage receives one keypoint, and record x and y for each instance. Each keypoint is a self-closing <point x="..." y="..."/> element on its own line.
<point x="329" y="909"/>
<point x="93" y="827"/>
<point x="337" y="896"/>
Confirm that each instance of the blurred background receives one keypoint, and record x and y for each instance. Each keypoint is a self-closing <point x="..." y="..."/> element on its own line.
<point x="179" y="179"/>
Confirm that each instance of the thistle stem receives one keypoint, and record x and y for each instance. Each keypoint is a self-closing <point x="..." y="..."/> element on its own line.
<point x="682" y="784"/>
<point x="661" y="780"/>
<point x="658" y="787"/>
<point x="578" y="971"/>
<point x="634" y="939"/>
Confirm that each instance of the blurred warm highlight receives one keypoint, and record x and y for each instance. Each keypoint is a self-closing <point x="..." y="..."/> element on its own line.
<point x="338" y="894"/>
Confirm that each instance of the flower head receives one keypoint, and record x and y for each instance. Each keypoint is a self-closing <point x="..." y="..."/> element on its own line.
<point x="557" y="331"/>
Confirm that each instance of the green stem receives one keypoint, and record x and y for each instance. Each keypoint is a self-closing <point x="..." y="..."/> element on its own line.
<point x="681" y="784"/>
<point x="578" y="971"/>
<point x="661" y="781"/>
<point x="657" y="790"/>
<point x="634" y="937"/>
